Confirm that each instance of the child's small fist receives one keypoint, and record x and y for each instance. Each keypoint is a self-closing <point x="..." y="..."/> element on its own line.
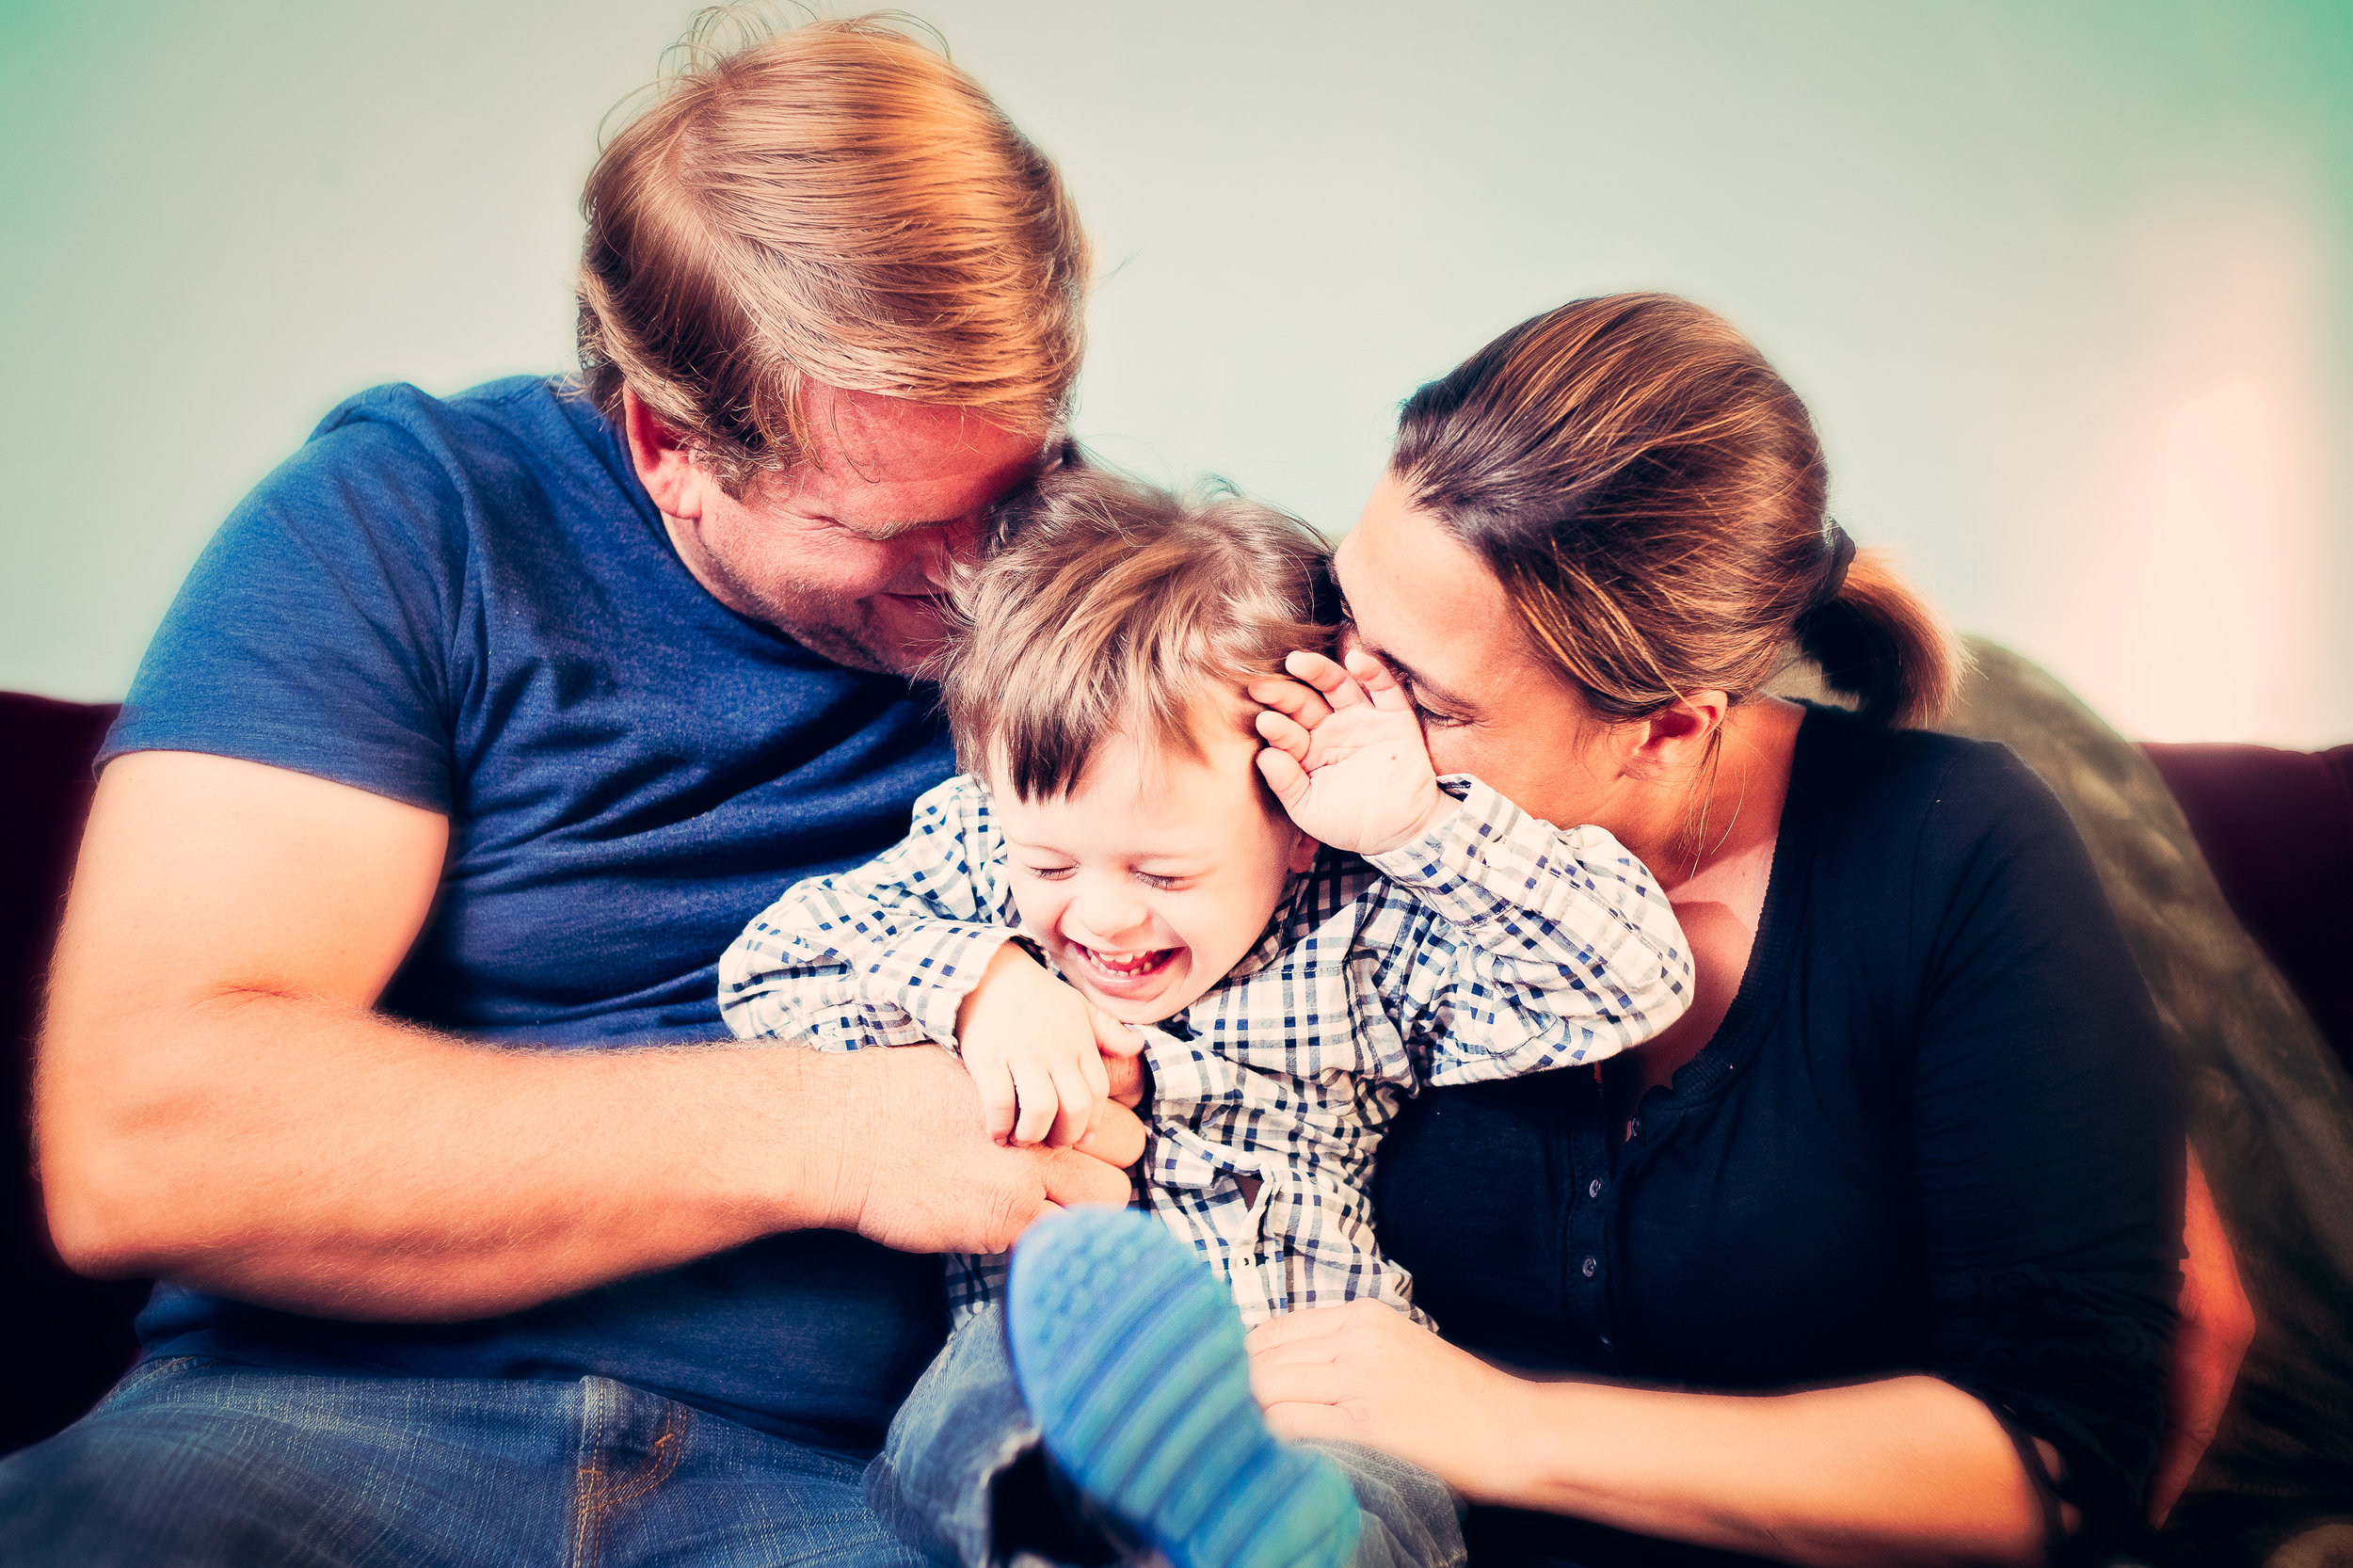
<point x="1035" y="1049"/>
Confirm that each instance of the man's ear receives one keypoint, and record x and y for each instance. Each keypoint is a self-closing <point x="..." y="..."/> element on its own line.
<point x="665" y="464"/>
<point x="1678" y="738"/>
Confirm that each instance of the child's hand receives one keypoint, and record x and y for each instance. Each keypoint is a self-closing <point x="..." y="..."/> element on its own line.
<point x="1035" y="1049"/>
<point x="1350" y="765"/>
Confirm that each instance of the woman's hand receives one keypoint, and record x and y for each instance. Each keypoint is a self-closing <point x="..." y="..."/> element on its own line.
<point x="1345" y="753"/>
<point x="1041" y="1054"/>
<point x="2218" y="1324"/>
<point x="1366" y="1373"/>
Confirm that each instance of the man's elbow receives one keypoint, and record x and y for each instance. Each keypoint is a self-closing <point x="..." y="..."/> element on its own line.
<point x="100" y="1225"/>
<point x="103" y="1184"/>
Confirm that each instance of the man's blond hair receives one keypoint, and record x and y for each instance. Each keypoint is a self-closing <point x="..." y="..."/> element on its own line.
<point x="836" y="205"/>
<point x="1119" y="607"/>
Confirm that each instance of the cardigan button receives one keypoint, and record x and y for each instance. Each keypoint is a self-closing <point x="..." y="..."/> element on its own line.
<point x="1591" y="1264"/>
<point x="1595" y="1189"/>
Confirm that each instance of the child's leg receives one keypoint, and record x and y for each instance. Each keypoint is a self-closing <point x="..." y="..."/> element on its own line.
<point x="961" y="1427"/>
<point x="1411" y="1520"/>
<point x="1129" y="1353"/>
<point x="963" y="1475"/>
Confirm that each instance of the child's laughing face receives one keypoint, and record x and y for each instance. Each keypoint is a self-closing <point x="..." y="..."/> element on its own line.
<point x="1157" y="873"/>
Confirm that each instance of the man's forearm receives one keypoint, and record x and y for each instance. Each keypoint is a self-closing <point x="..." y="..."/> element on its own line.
<point x="218" y="1103"/>
<point x="315" y="1156"/>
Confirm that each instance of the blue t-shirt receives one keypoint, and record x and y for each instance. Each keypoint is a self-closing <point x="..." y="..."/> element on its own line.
<point x="470" y="604"/>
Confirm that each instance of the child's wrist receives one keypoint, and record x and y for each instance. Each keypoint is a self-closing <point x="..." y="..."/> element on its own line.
<point x="1434" y="811"/>
<point x="1000" y="972"/>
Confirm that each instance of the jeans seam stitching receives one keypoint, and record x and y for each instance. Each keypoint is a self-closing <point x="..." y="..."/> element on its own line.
<point x="665" y="1453"/>
<point x="588" y="1483"/>
<point x="155" y="1371"/>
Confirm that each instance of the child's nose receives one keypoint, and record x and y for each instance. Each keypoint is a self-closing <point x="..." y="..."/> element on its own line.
<point x="1110" y="913"/>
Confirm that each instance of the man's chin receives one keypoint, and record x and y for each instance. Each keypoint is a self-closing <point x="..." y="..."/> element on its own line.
<point x="905" y="636"/>
<point x="884" y="642"/>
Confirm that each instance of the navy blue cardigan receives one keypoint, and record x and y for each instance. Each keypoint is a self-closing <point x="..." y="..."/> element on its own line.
<point x="1936" y="1133"/>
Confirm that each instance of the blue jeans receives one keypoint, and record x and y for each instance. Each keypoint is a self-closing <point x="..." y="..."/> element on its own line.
<point x="198" y="1462"/>
<point x="964" y="1428"/>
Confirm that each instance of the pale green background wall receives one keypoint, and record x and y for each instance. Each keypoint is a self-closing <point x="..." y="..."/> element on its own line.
<point x="2067" y="284"/>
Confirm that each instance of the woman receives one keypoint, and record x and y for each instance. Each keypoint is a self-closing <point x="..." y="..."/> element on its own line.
<point x="1910" y="1165"/>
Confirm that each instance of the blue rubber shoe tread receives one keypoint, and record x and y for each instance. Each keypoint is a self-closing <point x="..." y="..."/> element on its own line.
<point x="1130" y="1354"/>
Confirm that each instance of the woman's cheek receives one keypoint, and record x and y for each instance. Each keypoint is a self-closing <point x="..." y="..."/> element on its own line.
<point x="1450" y="750"/>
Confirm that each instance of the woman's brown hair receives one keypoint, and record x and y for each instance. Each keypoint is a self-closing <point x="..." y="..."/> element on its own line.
<point x="1651" y="495"/>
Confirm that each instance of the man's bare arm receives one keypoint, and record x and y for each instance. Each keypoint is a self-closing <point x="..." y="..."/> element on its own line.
<point x="218" y="1104"/>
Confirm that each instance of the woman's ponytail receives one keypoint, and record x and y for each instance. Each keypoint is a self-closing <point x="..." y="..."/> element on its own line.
<point x="1878" y="641"/>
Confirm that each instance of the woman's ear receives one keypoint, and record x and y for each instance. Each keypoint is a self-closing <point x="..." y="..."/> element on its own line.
<point x="665" y="464"/>
<point x="1677" y="739"/>
<point x="1302" y="855"/>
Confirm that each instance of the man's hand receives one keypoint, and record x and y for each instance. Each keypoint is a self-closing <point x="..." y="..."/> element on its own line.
<point x="1347" y="758"/>
<point x="917" y="1174"/>
<point x="1038" y="1051"/>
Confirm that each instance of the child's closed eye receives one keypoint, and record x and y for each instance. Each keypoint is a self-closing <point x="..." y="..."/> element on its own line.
<point x="1050" y="873"/>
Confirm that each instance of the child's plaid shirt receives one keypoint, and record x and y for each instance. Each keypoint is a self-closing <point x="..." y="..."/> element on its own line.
<point x="1495" y="945"/>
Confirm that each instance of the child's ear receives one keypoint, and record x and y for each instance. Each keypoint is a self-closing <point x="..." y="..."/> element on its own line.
<point x="1303" y="850"/>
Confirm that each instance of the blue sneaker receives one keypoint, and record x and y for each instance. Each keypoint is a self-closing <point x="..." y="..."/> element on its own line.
<point x="1130" y="1354"/>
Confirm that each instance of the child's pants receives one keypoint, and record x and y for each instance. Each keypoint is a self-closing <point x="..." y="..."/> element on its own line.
<point x="965" y="1425"/>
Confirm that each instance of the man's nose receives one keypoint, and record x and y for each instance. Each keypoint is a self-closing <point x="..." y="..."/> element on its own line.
<point x="947" y="544"/>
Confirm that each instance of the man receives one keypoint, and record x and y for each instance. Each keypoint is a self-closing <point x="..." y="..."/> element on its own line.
<point x="475" y="736"/>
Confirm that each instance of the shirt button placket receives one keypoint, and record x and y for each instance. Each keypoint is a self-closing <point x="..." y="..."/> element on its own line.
<point x="1590" y="1128"/>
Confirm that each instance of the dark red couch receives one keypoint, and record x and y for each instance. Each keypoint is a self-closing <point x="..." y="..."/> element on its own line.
<point x="2276" y="825"/>
<point x="74" y="1334"/>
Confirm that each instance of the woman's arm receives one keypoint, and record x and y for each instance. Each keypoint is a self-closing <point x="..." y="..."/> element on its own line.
<point x="2217" y="1325"/>
<point x="1905" y="1470"/>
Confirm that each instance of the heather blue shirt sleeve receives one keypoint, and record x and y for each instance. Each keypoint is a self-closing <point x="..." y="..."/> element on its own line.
<point x="315" y="632"/>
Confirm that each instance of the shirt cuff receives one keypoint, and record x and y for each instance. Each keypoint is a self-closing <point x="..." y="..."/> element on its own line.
<point x="1487" y="857"/>
<point x="931" y="976"/>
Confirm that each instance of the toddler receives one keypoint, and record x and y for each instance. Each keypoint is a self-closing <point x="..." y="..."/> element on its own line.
<point x="1295" y="930"/>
